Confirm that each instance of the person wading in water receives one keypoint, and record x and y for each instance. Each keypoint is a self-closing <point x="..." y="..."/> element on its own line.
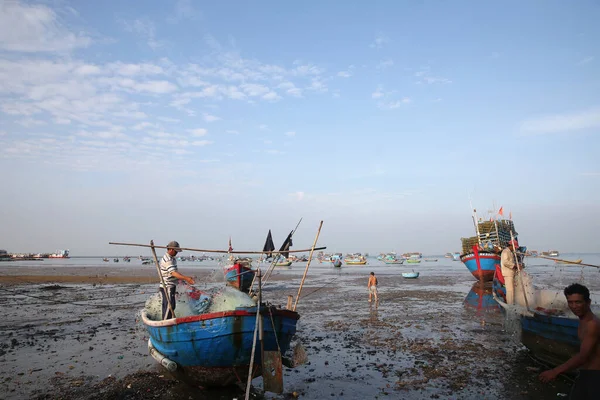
<point x="587" y="384"/>
<point x="372" y="285"/>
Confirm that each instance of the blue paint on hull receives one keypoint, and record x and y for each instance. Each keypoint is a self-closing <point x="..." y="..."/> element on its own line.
<point x="240" y="277"/>
<point x="223" y="340"/>
<point x="487" y="265"/>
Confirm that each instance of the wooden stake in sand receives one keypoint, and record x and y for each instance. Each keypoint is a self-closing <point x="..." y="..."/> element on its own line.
<point x="162" y="281"/>
<point x="307" y="265"/>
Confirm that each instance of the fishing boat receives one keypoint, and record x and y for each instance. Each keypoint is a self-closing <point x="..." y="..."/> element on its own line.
<point x="215" y="349"/>
<point x="413" y="261"/>
<point x="481" y="253"/>
<point x="431" y="259"/>
<point x="283" y="263"/>
<point x="337" y="262"/>
<point x="448" y="255"/>
<point x="410" y="275"/>
<point x="398" y="261"/>
<point x="240" y="275"/>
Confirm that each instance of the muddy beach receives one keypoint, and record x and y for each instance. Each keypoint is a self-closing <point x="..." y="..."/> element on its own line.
<point x="73" y="332"/>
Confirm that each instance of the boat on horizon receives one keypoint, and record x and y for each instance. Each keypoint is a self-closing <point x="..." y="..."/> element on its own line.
<point x="59" y="254"/>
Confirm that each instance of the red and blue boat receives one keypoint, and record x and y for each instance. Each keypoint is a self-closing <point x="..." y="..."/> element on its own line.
<point x="215" y="349"/>
<point x="481" y="264"/>
<point x="240" y="276"/>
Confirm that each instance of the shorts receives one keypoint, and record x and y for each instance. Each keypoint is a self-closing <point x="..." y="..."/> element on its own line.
<point x="586" y="386"/>
<point x="373" y="289"/>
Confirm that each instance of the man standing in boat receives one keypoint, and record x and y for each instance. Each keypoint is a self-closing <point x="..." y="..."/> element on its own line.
<point x="587" y="384"/>
<point x="372" y="285"/>
<point x="170" y="275"/>
<point x="509" y="266"/>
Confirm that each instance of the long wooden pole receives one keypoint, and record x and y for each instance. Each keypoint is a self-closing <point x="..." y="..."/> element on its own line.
<point x="520" y="271"/>
<point x="307" y="265"/>
<point x="216" y="251"/>
<point x="162" y="281"/>
<point x="561" y="260"/>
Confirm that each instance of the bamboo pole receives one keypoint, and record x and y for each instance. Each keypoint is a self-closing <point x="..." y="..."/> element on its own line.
<point x="561" y="260"/>
<point x="216" y="251"/>
<point x="520" y="270"/>
<point x="162" y="280"/>
<point x="307" y="265"/>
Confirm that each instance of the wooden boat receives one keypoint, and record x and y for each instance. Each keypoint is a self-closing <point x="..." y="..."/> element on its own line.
<point x="413" y="261"/>
<point x="214" y="349"/>
<point x="283" y="264"/>
<point x="355" y="262"/>
<point x="578" y="261"/>
<point x="431" y="260"/>
<point x="240" y="276"/>
<point x="393" y="261"/>
<point x="410" y="275"/>
<point x="337" y="263"/>
<point x="481" y="264"/>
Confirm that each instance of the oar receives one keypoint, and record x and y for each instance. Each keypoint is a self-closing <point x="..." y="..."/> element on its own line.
<point x="561" y="260"/>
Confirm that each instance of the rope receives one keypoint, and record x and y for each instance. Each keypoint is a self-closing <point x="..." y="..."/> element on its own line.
<point x="274" y="330"/>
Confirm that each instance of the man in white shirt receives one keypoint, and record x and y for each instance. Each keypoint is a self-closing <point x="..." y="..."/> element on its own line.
<point x="168" y="270"/>
<point x="509" y="266"/>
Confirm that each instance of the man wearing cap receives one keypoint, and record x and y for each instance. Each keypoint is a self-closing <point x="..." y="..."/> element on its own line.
<point x="508" y="266"/>
<point x="170" y="275"/>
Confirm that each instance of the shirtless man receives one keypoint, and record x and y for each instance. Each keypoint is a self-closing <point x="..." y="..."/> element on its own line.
<point x="587" y="384"/>
<point x="372" y="285"/>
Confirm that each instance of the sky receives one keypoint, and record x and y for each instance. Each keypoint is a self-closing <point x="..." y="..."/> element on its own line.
<point x="198" y="121"/>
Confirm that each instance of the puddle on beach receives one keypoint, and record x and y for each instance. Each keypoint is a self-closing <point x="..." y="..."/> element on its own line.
<point x="424" y="339"/>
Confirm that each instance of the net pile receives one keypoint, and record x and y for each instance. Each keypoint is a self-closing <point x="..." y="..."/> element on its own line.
<point x="491" y="234"/>
<point x="195" y="302"/>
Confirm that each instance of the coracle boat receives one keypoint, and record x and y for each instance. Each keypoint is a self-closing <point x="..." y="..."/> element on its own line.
<point x="355" y="262"/>
<point x="337" y="263"/>
<point x="283" y="264"/>
<point x="215" y="349"/>
<point x="410" y="275"/>
<point x="413" y="261"/>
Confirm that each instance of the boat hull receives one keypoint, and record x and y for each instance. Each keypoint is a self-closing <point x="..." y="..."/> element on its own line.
<point x="481" y="265"/>
<point x="393" y="261"/>
<point x="283" y="264"/>
<point x="410" y="275"/>
<point x="337" y="263"/>
<point x="551" y="339"/>
<point x="214" y="349"/>
<point x="355" y="262"/>
<point x="413" y="261"/>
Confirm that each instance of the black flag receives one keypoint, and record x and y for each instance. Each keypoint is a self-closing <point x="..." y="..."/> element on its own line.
<point x="269" y="246"/>
<point x="285" y="247"/>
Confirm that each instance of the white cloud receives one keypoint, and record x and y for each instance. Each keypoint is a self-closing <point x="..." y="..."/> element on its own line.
<point x="385" y="64"/>
<point x="567" y="122"/>
<point x="233" y="132"/>
<point x="298" y="196"/>
<point x="263" y="127"/>
<point x="585" y="60"/>
<point x="271" y="96"/>
<point x="198" y="132"/>
<point x="424" y="76"/>
<point x="142" y="126"/>
<point x="380" y="41"/>
<point x="290" y="134"/>
<point x="145" y="29"/>
<point x="344" y="74"/>
<point x="201" y="142"/>
<point x="391" y="105"/>
<point x="35" y="28"/>
<point x="210" y="118"/>
<point x="378" y="93"/>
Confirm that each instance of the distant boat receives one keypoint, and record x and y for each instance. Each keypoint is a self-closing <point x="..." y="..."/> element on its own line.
<point x="116" y="260"/>
<point x="431" y="259"/>
<point x="105" y="259"/>
<point x="448" y="255"/>
<point x="413" y="261"/>
<point x="410" y="275"/>
<point x="60" y="254"/>
<point x="337" y="262"/>
<point x="283" y="264"/>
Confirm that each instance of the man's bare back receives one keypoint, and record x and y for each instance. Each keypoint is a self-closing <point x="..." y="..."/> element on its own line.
<point x="589" y="328"/>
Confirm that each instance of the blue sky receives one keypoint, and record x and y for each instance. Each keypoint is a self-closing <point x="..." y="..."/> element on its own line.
<point x="194" y="121"/>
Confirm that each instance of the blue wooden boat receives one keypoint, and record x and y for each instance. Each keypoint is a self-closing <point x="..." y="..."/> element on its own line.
<point x="551" y="338"/>
<point x="410" y="275"/>
<point x="337" y="263"/>
<point x="214" y="349"/>
<point x="481" y="264"/>
<point x="240" y="276"/>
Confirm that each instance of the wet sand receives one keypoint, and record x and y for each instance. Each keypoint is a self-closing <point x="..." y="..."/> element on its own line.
<point x="74" y="333"/>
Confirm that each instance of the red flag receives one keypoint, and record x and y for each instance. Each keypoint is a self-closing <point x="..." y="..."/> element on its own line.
<point x="230" y="248"/>
<point x="501" y="211"/>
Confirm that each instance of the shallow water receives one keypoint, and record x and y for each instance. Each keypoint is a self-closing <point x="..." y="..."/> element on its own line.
<point x="423" y="340"/>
